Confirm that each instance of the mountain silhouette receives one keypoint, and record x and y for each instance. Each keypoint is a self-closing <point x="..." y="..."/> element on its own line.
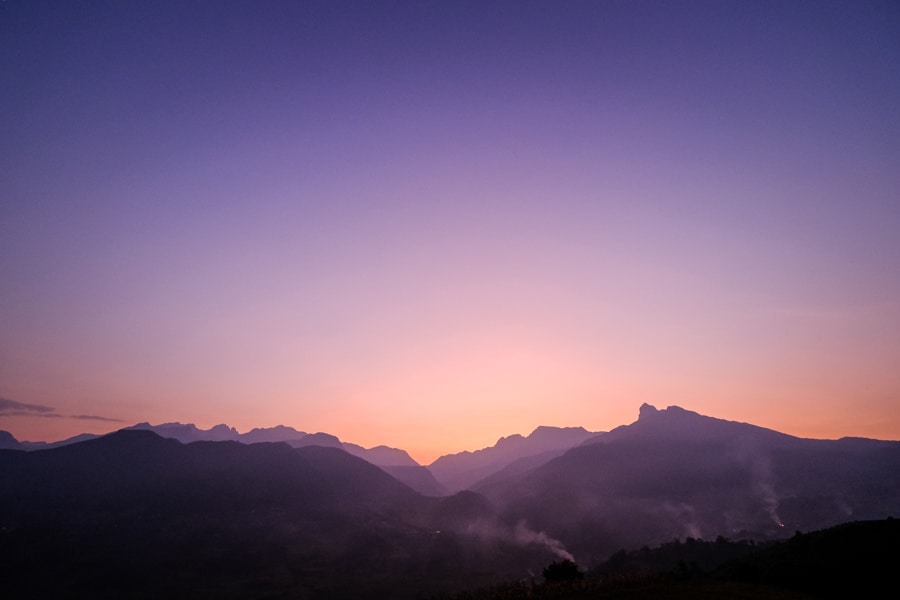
<point x="418" y="478"/>
<point x="187" y="433"/>
<point x="675" y="473"/>
<point x="462" y="470"/>
<point x="383" y="456"/>
<point x="279" y="433"/>
<point x="135" y="514"/>
<point x="9" y="442"/>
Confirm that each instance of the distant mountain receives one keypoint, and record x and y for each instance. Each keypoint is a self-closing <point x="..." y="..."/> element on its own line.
<point x="517" y="467"/>
<point x="674" y="473"/>
<point x="279" y="433"/>
<point x="8" y="442"/>
<point x="316" y="439"/>
<point x="382" y="456"/>
<point x="81" y="437"/>
<point x="463" y="470"/>
<point x="187" y="433"/>
<point x="418" y="478"/>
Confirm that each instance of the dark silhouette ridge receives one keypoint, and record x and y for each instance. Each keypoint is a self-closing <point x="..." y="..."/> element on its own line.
<point x="135" y="514"/>
<point x="186" y="433"/>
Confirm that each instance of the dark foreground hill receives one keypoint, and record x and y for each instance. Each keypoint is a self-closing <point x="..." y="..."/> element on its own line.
<point x="852" y="560"/>
<point x="135" y="515"/>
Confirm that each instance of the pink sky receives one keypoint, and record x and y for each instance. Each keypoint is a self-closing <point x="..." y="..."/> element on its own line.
<point x="433" y="225"/>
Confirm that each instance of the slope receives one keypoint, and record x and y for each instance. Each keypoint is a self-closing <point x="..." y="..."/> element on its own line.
<point x="675" y="473"/>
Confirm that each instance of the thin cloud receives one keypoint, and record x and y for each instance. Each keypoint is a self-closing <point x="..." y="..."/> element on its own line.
<point x="11" y="408"/>
<point x="26" y="413"/>
<point x="95" y="418"/>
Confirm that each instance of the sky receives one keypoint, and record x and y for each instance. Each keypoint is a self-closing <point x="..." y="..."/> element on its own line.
<point x="431" y="224"/>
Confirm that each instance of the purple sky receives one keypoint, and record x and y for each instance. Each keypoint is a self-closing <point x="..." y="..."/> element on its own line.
<point x="429" y="224"/>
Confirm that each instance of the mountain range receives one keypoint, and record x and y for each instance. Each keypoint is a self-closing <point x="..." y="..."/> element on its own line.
<point x="175" y="510"/>
<point x="450" y="473"/>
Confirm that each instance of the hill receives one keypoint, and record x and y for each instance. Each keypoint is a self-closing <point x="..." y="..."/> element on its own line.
<point x="132" y="514"/>
<point x="676" y="474"/>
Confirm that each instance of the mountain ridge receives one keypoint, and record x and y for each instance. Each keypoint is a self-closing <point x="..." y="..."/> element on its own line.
<point x="188" y="432"/>
<point x="382" y="456"/>
<point x="134" y="514"/>
<point x="319" y="522"/>
<point x="676" y="473"/>
<point x="461" y="470"/>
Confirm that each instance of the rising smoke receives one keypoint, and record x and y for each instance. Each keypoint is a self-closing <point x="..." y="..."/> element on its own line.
<point x="521" y="535"/>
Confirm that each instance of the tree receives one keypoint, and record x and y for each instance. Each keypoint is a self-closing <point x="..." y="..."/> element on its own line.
<point x="562" y="571"/>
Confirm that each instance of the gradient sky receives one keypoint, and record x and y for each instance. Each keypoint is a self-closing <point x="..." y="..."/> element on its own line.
<point x="430" y="224"/>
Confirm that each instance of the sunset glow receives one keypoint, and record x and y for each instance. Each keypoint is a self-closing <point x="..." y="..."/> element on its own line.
<point x="429" y="225"/>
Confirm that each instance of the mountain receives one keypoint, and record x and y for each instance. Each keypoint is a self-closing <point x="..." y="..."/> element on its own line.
<point x="279" y="433"/>
<point x="8" y="442"/>
<point x="418" y="478"/>
<point x="462" y="470"/>
<point x="81" y="437"/>
<point x="674" y="473"/>
<point x="132" y="514"/>
<point x="382" y="456"/>
<point x="187" y="433"/>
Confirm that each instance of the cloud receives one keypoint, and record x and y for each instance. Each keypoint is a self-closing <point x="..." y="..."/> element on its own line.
<point x="11" y="408"/>
<point x="8" y="407"/>
<point x="96" y="418"/>
<point x="25" y="413"/>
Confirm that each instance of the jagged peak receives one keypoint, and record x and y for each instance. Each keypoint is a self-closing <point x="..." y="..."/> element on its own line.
<point x="545" y="429"/>
<point x="510" y="439"/>
<point x="650" y="411"/>
<point x="276" y="428"/>
<point x="647" y="410"/>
